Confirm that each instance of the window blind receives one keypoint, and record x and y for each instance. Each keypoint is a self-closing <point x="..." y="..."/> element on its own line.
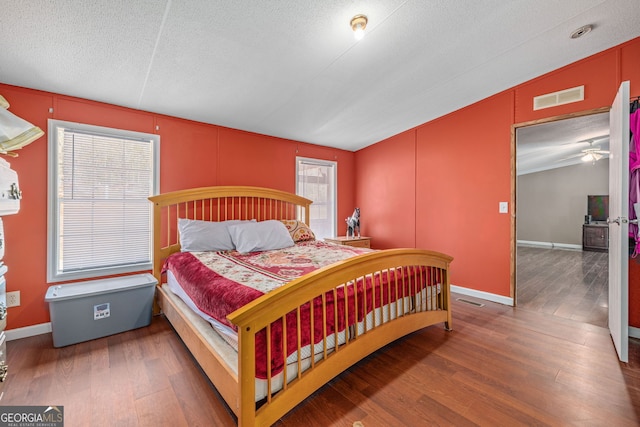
<point x="101" y="212"/>
<point x="316" y="180"/>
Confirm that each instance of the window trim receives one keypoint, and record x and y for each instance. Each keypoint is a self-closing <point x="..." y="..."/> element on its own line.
<point x="53" y="275"/>
<point x="321" y="162"/>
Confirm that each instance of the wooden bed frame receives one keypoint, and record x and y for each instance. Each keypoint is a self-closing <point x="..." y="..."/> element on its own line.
<point x="237" y="384"/>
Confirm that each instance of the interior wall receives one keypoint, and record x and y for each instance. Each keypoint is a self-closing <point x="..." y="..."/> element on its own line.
<point x="461" y="178"/>
<point x="192" y="154"/>
<point x="552" y="203"/>
<point x="464" y="164"/>
<point x="387" y="192"/>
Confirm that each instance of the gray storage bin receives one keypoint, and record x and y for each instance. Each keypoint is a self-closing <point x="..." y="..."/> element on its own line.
<point x="92" y="309"/>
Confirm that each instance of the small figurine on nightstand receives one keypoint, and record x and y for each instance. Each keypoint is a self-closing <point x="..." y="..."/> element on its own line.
<point x="353" y="223"/>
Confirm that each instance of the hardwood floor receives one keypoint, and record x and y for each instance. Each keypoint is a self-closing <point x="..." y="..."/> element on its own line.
<point x="564" y="283"/>
<point x="500" y="366"/>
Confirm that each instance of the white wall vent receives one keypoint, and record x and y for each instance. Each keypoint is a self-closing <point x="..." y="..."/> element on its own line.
<point x="566" y="96"/>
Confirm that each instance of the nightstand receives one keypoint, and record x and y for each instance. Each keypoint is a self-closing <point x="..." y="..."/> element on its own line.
<point x="360" y="242"/>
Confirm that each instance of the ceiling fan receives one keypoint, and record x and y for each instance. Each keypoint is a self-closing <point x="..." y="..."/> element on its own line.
<point x="592" y="153"/>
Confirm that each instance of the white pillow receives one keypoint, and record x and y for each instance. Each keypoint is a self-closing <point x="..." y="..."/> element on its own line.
<point x="260" y="236"/>
<point x="199" y="236"/>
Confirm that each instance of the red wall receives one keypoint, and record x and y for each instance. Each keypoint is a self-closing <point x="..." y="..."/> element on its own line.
<point x="386" y="191"/>
<point x="191" y="155"/>
<point x="453" y="171"/>
<point x="460" y="180"/>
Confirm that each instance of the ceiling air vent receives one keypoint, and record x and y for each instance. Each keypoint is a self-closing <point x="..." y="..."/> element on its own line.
<point x="566" y="96"/>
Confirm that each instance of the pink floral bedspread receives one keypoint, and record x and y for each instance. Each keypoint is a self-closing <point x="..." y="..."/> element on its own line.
<point x="221" y="282"/>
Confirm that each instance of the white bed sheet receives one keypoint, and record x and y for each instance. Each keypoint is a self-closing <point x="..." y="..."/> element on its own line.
<point x="229" y="335"/>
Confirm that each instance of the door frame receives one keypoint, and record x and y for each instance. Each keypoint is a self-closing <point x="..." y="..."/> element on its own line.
<point x="514" y="179"/>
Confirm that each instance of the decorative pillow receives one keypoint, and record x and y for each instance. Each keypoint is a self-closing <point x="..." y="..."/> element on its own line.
<point x="260" y="236"/>
<point x="199" y="236"/>
<point x="300" y="232"/>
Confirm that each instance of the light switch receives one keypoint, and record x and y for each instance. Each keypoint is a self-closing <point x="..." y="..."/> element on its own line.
<point x="504" y="207"/>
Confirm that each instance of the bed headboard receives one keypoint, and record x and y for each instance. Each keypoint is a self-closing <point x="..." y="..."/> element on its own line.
<point x="219" y="203"/>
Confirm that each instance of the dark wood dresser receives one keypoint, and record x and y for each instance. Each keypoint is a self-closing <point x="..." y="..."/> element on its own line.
<point x="595" y="237"/>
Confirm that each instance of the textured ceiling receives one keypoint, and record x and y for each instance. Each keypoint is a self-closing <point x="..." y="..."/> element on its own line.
<point x="292" y="68"/>
<point x="561" y="143"/>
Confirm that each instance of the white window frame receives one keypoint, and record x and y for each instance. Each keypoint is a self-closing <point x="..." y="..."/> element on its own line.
<point x="54" y="273"/>
<point x="334" y="211"/>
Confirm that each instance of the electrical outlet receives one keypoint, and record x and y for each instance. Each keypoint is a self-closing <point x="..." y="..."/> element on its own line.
<point x="13" y="299"/>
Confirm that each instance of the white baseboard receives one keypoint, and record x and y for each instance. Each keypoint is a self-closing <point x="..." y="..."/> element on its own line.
<point x="634" y="332"/>
<point x="28" y="331"/>
<point x="549" y="245"/>
<point x="500" y="299"/>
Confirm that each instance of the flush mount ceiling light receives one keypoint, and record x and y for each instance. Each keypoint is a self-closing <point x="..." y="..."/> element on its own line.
<point x="581" y="31"/>
<point x="358" y="24"/>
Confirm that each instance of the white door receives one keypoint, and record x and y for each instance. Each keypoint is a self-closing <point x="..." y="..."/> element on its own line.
<point x="618" y="222"/>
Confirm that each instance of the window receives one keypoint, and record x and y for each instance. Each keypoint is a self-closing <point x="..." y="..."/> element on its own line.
<point x="99" y="217"/>
<point x="316" y="180"/>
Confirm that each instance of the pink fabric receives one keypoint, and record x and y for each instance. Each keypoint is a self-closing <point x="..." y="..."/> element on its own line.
<point x="634" y="146"/>
<point x="634" y="177"/>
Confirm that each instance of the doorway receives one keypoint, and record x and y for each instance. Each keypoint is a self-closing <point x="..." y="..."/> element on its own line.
<point x="553" y="179"/>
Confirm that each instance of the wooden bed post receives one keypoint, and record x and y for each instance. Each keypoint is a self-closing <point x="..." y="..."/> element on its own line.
<point x="246" y="376"/>
<point x="446" y="297"/>
<point x="447" y="303"/>
<point x="157" y="255"/>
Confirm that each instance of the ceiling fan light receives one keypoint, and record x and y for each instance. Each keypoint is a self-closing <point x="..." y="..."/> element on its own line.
<point x="587" y="157"/>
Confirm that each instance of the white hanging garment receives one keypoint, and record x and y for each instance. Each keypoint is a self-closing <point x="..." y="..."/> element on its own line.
<point x="15" y="132"/>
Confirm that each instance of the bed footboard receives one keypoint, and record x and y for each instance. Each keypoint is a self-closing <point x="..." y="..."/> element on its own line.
<point x="349" y="310"/>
